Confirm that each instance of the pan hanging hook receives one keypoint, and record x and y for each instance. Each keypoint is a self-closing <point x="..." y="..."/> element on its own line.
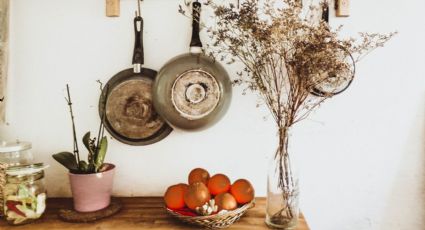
<point x="139" y="11"/>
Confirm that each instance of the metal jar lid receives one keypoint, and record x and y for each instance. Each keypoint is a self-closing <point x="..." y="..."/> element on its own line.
<point x="26" y="169"/>
<point x="16" y="146"/>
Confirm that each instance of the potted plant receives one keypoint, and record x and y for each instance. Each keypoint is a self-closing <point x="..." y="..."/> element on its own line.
<point x="91" y="181"/>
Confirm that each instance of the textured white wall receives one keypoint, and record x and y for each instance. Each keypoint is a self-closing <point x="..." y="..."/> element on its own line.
<point x="361" y="155"/>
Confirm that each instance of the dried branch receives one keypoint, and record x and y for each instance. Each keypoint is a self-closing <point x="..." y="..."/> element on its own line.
<point x="74" y="134"/>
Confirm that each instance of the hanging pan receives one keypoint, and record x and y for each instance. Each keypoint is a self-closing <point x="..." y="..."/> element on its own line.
<point x="130" y="115"/>
<point x="192" y="91"/>
<point x="332" y="84"/>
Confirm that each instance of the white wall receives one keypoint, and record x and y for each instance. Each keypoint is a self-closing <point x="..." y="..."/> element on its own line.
<point x="361" y="155"/>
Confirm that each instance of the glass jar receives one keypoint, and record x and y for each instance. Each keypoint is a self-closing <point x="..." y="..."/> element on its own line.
<point x="24" y="193"/>
<point x="15" y="153"/>
<point x="282" y="206"/>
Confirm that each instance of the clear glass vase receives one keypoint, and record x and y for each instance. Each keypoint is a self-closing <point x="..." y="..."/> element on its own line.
<point x="282" y="208"/>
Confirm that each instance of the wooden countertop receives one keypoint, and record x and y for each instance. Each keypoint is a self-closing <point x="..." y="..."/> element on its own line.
<point x="139" y="213"/>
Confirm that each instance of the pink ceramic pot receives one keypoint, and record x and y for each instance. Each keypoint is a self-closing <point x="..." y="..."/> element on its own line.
<point x="92" y="192"/>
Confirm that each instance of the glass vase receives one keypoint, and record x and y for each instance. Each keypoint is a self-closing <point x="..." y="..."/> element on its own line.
<point x="282" y="208"/>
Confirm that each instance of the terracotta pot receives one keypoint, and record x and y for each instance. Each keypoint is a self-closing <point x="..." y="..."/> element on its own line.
<point x="92" y="192"/>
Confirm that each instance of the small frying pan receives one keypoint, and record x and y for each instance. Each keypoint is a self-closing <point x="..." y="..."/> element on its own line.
<point x="192" y="91"/>
<point x="130" y="115"/>
<point x="328" y="86"/>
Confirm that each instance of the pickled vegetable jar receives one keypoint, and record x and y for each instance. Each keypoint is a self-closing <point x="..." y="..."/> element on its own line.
<point x="24" y="193"/>
<point x="15" y="153"/>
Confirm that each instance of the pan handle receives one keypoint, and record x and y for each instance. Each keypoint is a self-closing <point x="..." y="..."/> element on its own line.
<point x="195" y="43"/>
<point x="325" y="12"/>
<point x="138" y="53"/>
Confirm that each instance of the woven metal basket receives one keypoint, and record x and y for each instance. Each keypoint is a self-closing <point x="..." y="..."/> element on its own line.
<point x="214" y="221"/>
<point x="3" y="167"/>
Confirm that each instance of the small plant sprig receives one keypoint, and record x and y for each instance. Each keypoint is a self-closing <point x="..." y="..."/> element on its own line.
<point x="96" y="146"/>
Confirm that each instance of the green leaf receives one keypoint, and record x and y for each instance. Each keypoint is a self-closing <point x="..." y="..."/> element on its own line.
<point x="84" y="167"/>
<point x="92" y="168"/>
<point x="102" y="153"/>
<point x="86" y="141"/>
<point x="67" y="159"/>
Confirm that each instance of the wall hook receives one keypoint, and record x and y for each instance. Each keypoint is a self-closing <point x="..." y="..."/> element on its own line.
<point x="112" y="8"/>
<point x="138" y="12"/>
<point x="342" y="8"/>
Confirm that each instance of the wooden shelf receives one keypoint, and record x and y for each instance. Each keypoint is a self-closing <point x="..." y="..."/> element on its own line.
<point x="139" y="213"/>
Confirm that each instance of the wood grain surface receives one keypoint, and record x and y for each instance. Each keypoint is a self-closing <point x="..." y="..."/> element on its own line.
<point x="113" y="8"/>
<point x="139" y="213"/>
<point x="72" y="216"/>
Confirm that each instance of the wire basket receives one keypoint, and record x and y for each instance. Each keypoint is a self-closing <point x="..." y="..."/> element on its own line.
<point x="3" y="167"/>
<point x="216" y="221"/>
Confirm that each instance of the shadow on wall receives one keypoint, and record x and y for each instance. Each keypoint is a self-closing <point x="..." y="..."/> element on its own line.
<point x="405" y="208"/>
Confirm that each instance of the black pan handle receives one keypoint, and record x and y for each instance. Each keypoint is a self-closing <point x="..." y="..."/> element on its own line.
<point x="196" y="40"/>
<point x="325" y="12"/>
<point x="138" y="53"/>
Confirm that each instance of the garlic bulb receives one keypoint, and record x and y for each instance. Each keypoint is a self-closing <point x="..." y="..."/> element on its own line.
<point x="208" y="208"/>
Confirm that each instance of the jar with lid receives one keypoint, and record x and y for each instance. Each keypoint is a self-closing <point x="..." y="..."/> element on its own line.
<point x="24" y="193"/>
<point x="15" y="153"/>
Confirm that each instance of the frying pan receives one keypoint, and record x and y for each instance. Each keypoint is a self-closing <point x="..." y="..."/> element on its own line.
<point x="192" y="91"/>
<point x="130" y="115"/>
<point x="327" y="87"/>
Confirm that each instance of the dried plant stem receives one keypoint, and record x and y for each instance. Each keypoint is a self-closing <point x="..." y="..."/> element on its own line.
<point x="286" y="180"/>
<point x="76" y="151"/>
<point x="101" y="131"/>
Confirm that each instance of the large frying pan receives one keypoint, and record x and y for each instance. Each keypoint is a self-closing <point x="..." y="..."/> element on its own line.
<point x="130" y="115"/>
<point x="192" y="91"/>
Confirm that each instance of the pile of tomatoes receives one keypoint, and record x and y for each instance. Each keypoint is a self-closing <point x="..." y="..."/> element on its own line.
<point x="201" y="188"/>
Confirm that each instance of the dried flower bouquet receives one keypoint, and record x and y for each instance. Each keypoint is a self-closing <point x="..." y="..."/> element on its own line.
<point x="289" y="54"/>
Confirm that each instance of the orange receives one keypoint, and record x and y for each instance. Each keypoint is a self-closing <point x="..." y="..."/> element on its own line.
<point x="243" y="191"/>
<point x="174" y="196"/>
<point x="197" y="194"/>
<point x="199" y="175"/>
<point x="218" y="183"/>
<point x="225" y="201"/>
